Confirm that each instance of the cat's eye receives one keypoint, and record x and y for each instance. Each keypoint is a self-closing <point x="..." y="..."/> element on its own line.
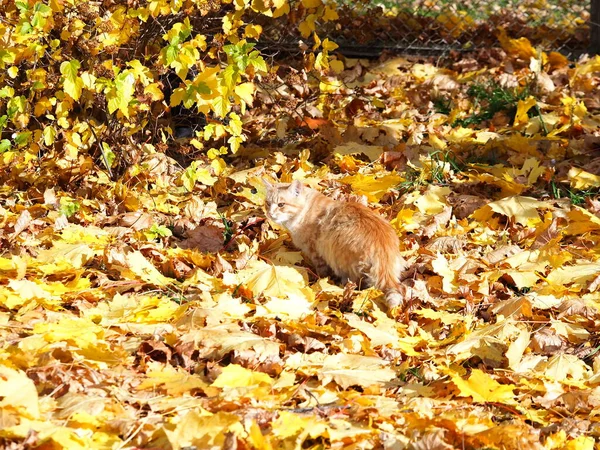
<point x="280" y="205"/>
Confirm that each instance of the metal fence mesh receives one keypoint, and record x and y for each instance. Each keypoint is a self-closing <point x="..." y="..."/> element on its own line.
<point x="367" y="28"/>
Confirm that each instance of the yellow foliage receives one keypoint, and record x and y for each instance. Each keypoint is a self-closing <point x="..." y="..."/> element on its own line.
<point x="147" y="301"/>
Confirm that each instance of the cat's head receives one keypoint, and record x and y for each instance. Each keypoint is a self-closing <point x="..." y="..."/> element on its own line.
<point x="284" y="201"/>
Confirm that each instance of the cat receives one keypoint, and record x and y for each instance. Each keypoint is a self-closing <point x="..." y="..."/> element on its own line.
<point x="346" y="239"/>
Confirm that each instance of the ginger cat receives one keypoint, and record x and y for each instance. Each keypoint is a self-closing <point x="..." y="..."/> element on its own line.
<point x="343" y="238"/>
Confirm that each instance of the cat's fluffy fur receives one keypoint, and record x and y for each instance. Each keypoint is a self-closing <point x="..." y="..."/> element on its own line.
<point x="345" y="238"/>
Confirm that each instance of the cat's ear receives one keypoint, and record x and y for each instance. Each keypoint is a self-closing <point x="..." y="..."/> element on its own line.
<point x="296" y="188"/>
<point x="268" y="185"/>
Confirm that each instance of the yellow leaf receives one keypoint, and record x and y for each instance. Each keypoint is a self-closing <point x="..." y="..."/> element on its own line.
<point x="154" y="91"/>
<point x="297" y="308"/>
<point x="421" y="71"/>
<point x="521" y="117"/>
<point x="338" y="67"/>
<point x="200" y="429"/>
<point x="581" y="221"/>
<point x="246" y="92"/>
<point x="518" y="47"/>
<point x="330" y="86"/>
<point x="233" y="376"/>
<point x="73" y="84"/>
<point x="522" y="279"/>
<point x="523" y="210"/>
<point x="81" y="332"/>
<point x="441" y="267"/>
<point x="580" y="179"/>
<point x="517" y="348"/>
<point x="307" y="26"/>
<point x="565" y="368"/>
<point x="256" y="438"/>
<point x="144" y="269"/>
<point x="382" y="333"/>
<point x="130" y="309"/>
<point x="329" y="45"/>
<point x="18" y="393"/>
<point x="89" y="80"/>
<point x="312" y="3"/>
<point x="354" y="148"/>
<point x="436" y="142"/>
<point x="433" y="201"/>
<point x="485" y="342"/>
<point x="592" y="65"/>
<point x="290" y="424"/>
<point x="65" y="437"/>
<point x="42" y="106"/>
<point x="253" y="31"/>
<point x="330" y="14"/>
<point x="173" y="380"/>
<point x="372" y="186"/>
<point x="580" y="443"/>
<point x="348" y="370"/>
<point x="577" y="275"/>
<point x="76" y="255"/>
<point x="28" y="290"/>
<point x="483" y="388"/>
<point x="271" y="280"/>
<point x="573" y="332"/>
<point x="49" y="135"/>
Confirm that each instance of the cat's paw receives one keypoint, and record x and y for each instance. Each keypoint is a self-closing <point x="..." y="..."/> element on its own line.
<point x="394" y="300"/>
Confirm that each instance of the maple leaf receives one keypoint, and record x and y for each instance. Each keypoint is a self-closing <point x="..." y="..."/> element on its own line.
<point x="146" y="302"/>
<point x="483" y="388"/>
<point x="348" y="370"/>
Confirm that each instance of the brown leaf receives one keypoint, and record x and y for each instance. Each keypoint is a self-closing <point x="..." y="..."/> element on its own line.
<point x="546" y="342"/>
<point x="22" y="223"/>
<point x="206" y="238"/>
<point x="464" y="205"/>
<point x="155" y="350"/>
<point x="437" y="221"/>
<point x="136" y="220"/>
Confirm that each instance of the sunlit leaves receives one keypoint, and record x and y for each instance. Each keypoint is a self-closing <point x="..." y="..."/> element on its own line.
<point x="483" y="388"/>
<point x="146" y="301"/>
<point x="195" y="173"/>
<point x="73" y="83"/>
<point x="120" y="92"/>
<point x="19" y="395"/>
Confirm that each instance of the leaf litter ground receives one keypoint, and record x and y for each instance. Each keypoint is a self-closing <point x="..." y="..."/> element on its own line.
<point x="145" y="314"/>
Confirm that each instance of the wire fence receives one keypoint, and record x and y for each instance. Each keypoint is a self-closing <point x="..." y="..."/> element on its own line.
<point x="368" y="28"/>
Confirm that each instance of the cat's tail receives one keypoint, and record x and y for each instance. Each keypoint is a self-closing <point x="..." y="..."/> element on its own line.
<point x="386" y="277"/>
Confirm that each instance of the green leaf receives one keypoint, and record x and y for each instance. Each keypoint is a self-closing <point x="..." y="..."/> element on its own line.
<point x="230" y="77"/>
<point x="258" y="62"/>
<point x="4" y="145"/>
<point x="23" y="6"/>
<point x="156" y="231"/>
<point x="122" y="93"/>
<point x="23" y="138"/>
<point x="16" y="105"/>
<point x="7" y="92"/>
<point x="171" y="54"/>
<point x="43" y="9"/>
<point x="201" y="88"/>
<point x="68" y="207"/>
<point x="109" y="155"/>
<point x="25" y="29"/>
